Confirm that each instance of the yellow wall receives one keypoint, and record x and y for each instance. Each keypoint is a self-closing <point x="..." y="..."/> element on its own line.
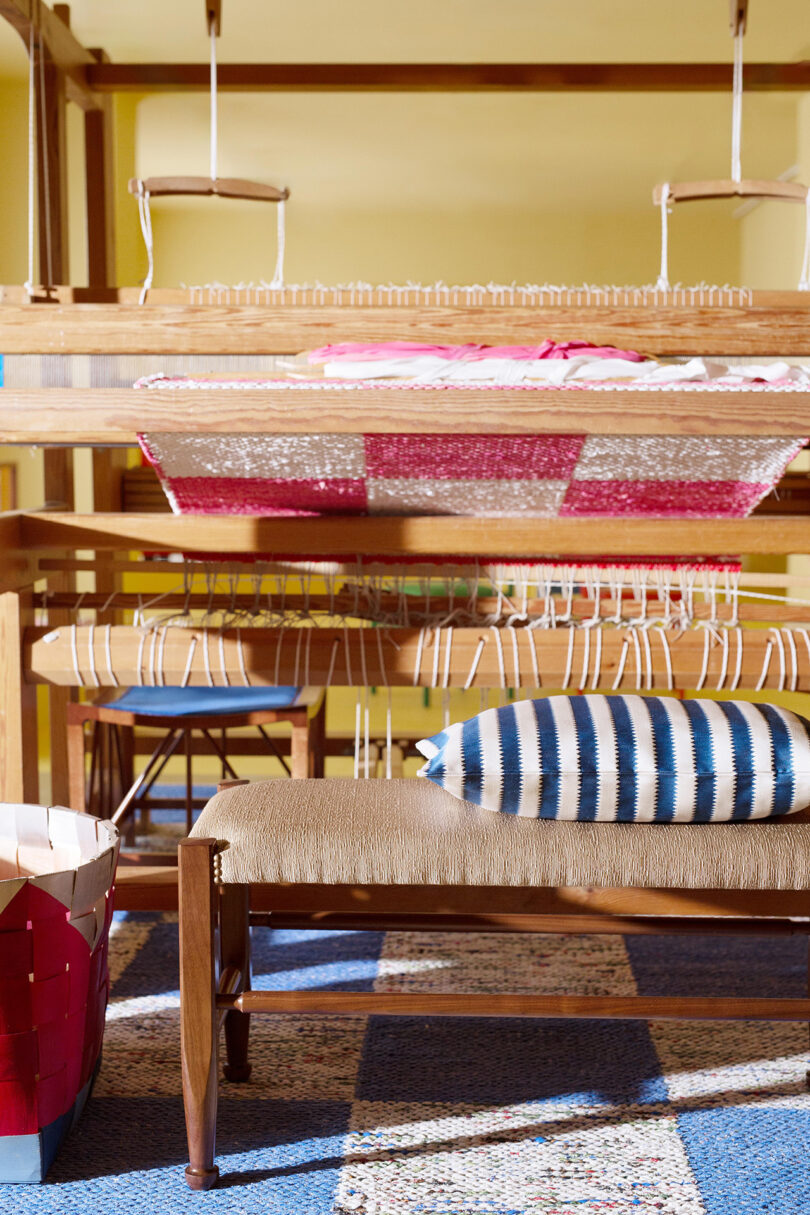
<point x="460" y="188"/>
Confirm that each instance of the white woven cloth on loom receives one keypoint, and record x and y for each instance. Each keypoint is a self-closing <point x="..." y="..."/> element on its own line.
<point x="544" y="476"/>
<point x="580" y="372"/>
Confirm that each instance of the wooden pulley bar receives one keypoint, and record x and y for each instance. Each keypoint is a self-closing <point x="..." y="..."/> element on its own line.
<point x="689" y="191"/>
<point x="547" y="659"/>
<point x="223" y="187"/>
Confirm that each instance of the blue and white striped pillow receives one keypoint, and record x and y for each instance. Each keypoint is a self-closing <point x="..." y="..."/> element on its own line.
<point x="626" y="759"/>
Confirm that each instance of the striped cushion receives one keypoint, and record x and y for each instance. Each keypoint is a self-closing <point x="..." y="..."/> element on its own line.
<point x="626" y="759"/>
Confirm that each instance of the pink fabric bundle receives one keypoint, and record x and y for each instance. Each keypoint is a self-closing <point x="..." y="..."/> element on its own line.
<point x="361" y="352"/>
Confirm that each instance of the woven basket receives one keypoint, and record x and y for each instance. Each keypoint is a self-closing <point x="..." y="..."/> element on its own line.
<point x="56" y="874"/>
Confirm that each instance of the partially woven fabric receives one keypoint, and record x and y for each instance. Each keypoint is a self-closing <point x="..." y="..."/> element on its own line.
<point x="539" y="476"/>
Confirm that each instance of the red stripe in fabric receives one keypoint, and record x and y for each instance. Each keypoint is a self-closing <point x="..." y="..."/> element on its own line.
<point x="472" y="457"/>
<point x="662" y="499"/>
<point x="258" y="496"/>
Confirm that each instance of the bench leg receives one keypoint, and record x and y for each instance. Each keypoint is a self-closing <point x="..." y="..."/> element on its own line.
<point x="198" y="1013"/>
<point x="234" y="945"/>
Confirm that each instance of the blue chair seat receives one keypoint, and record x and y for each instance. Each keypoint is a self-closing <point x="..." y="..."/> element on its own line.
<point x="200" y="702"/>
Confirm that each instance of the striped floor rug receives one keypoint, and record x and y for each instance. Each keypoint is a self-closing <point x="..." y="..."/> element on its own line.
<point x="384" y="1116"/>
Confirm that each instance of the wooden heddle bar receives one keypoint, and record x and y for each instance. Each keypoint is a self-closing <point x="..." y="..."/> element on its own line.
<point x="569" y="658"/>
<point x="233" y="327"/>
<point x="112" y="416"/>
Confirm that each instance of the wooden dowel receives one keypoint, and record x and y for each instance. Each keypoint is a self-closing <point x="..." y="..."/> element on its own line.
<point x="601" y="924"/>
<point x="106" y="416"/>
<point x="473" y="1004"/>
<point x="338" y="536"/>
<point x="269" y="657"/>
<point x="228" y="327"/>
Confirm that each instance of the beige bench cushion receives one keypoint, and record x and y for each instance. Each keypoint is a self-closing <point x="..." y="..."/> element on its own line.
<point x="410" y="832"/>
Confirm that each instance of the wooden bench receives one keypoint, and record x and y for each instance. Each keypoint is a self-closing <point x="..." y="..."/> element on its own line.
<point x="405" y="854"/>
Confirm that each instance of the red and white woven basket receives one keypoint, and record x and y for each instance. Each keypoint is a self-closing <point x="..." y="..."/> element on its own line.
<point x="56" y="875"/>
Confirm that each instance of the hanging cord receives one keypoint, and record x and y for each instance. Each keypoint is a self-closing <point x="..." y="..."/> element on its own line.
<point x="46" y="174"/>
<point x="794" y="660"/>
<point x="663" y="274"/>
<point x="804" y="281"/>
<point x="357" y="709"/>
<point x="736" y="107"/>
<point x="32" y="165"/>
<point x="662" y="635"/>
<point x="213" y="96"/>
<point x="281" y="241"/>
<point x="417" y="666"/>
<point x="738" y="668"/>
<point x="569" y="661"/>
<point x="388" y="707"/>
<point x="479" y="649"/>
<point x="187" y="672"/>
<point x="499" y="649"/>
<point x="74" y="653"/>
<point x="145" y="216"/>
<point x="91" y="653"/>
<point x="108" y="656"/>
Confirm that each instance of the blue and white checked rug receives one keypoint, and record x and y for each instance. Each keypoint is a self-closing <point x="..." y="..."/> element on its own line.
<point x="384" y="1116"/>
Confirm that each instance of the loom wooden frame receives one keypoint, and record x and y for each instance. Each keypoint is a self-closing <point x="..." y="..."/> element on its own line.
<point x="764" y="328"/>
<point x="774" y="322"/>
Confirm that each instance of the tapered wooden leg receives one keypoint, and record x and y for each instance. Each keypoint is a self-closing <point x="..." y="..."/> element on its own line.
<point x="75" y="762"/>
<point x="189" y="782"/>
<point x="234" y="944"/>
<point x="198" y="1015"/>
<point x="317" y="739"/>
<point x="299" y="751"/>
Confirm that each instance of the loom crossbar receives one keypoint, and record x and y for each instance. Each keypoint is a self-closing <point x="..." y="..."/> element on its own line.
<point x="109" y="416"/>
<point x="181" y="328"/>
<point x="398" y="657"/>
<point x="341" y="536"/>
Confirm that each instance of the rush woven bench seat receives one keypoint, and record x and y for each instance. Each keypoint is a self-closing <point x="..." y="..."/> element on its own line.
<point x="407" y="832"/>
<point x="405" y="854"/>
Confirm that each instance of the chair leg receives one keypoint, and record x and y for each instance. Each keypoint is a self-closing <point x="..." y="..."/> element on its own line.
<point x="299" y="751"/>
<point x="317" y="739"/>
<point x="198" y="1012"/>
<point x="189" y="783"/>
<point x="234" y="945"/>
<point x="75" y="762"/>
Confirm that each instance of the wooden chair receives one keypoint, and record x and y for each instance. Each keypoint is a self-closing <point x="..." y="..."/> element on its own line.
<point x="404" y="854"/>
<point x="179" y="714"/>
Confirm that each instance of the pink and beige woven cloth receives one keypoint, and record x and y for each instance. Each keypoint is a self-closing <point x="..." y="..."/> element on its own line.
<point x="524" y="475"/>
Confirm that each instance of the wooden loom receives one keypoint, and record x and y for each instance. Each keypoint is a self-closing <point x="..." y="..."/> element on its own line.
<point x="107" y="418"/>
